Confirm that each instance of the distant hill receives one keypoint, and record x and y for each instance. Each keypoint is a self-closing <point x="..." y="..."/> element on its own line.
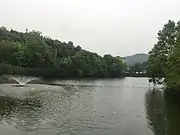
<point x="136" y="58"/>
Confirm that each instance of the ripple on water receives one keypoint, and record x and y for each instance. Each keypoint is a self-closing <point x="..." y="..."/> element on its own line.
<point x="99" y="107"/>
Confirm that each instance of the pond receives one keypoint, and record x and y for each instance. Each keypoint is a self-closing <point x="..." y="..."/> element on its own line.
<point x="128" y="106"/>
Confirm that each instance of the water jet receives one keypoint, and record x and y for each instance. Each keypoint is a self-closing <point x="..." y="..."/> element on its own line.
<point x="23" y="80"/>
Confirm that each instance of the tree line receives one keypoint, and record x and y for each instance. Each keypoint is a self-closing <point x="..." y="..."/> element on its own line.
<point x="137" y="70"/>
<point x="31" y="53"/>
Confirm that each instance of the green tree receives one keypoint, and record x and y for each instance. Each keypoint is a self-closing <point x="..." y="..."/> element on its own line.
<point x="30" y="53"/>
<point x="159" y="55"/>
<point x="164" y="58"/>
<point x="173" y="72"/>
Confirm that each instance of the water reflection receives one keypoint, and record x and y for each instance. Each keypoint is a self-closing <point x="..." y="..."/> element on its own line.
<point x="11" y="105"/>
<point x="163" y="109"/>
<point x="21" y="112"/>
<point x="67" y="109"/>
<point x="100" y="107"/>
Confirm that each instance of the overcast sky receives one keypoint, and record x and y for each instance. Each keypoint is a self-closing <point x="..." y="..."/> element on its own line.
<point x="118" y="27"/>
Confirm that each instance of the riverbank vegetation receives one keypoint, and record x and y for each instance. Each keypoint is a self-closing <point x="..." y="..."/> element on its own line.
<point x="164" y="58"/>
<point x="32" y="54"/>
<point x="137" y="70"/>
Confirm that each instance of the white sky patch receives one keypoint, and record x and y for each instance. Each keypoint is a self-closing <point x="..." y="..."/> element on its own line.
<point x="119" y="27"/>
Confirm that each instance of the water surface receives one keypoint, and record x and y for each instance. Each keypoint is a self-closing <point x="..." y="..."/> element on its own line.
<point x="128" y="106"/>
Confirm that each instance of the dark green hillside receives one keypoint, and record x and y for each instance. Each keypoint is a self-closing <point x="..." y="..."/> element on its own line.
<point x="30" y="53"/>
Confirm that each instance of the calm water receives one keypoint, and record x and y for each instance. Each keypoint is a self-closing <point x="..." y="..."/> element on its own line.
<point x="90" y="107"/>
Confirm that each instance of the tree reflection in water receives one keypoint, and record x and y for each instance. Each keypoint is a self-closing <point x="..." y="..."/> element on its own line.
<point x="20" y="111"/>
<point x="163" y="110"/>
<point x="50" y="110"/>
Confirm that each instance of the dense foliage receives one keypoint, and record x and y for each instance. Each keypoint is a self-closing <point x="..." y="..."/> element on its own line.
<point x="30" y="53"/>
<point x="164" y="58"/>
